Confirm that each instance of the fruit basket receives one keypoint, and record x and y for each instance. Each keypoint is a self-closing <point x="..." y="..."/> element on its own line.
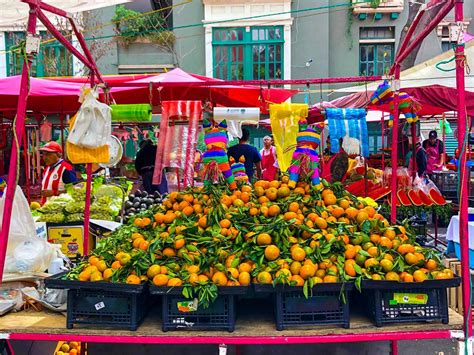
<point x="326" y="304"/>
<point x="405" y="302"/>
<point x="179" y="312"/>
<point x="104" y="305"/>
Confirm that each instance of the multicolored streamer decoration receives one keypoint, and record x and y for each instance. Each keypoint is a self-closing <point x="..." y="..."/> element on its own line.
<point x="214" y="159"/>
<point x="238" y="169"/>
<point x="305" y="160"/>
<point x="351" y="125"/>
<point x="408" y="106"/>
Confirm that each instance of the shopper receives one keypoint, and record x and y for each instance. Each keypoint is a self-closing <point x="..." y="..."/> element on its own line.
<point x="435" y="152"/>
<point x="420" y="157"/>
<point x="57" y="173"/>
<point x="250" y="153"/>
<point x="269" y="160"/>
<point x="145" y="166"/>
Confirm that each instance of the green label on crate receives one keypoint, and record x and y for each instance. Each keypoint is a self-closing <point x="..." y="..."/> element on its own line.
<point x="188" y="306"/>
<point x="409" y="298"/>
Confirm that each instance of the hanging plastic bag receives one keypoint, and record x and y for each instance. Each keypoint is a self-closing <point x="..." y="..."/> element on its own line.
<point x="93" y="125"/>
<point x="25" y="252"/>
<point x="80" y="155"/>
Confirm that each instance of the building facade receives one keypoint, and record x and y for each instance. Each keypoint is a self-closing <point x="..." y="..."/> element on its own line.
<point x="237" y="39"/>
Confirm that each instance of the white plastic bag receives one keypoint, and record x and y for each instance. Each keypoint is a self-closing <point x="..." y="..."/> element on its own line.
<point x="26" y="252"/>
<point x="93" y="125"/>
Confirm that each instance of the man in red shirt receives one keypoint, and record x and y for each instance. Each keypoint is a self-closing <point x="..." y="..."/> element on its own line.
<point x="57" y="172"/>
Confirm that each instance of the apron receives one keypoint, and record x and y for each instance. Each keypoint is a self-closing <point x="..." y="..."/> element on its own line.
<point x="433" y="157"/>
<point x="268" y="164"/>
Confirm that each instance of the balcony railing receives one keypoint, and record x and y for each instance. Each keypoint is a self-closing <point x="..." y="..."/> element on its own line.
<point x="385" y="6"/>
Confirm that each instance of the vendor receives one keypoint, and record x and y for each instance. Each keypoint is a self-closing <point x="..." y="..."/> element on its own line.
<point x="250" y="153"/>
<point x="57" y="173"/>
<point x="420" y="157"/>
<point x="269" y="160"/>
<point x="145" y="166"/>
<point x="434" y="152"/>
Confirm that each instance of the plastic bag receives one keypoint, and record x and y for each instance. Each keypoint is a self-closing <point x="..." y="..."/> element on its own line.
<point x="25" y="252"/>
<point x="93" y="125"/>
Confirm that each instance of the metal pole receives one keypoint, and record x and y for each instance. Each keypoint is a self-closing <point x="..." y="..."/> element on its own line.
<point x="394" y="347"/>
<point x="26" y="167"/>
<point x="394" y="158"/>
<point x="463" y="178"/>
<point x="19" y="129"/>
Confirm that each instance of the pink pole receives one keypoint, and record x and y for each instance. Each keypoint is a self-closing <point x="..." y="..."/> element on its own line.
<point x="393" y="196"/>
<point x="26" y="167"/>
<point x="383" y="141"/>
<point x="463" y="176"/>
<point x="87" y="208"/>
<point x="63" y="40"/>
<point x="19" y="129"/>
<point x="401" y="56"/>
<point x="251" y="340"/>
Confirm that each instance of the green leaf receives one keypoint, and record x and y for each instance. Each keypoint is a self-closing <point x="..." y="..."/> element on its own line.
<point x="305" y="289"/>
<point x="364" y="253"/>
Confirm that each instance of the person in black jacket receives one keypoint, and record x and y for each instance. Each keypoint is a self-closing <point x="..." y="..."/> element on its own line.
<point x="145" y="165"/>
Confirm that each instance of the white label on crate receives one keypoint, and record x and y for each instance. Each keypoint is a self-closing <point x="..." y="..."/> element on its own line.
<point x="99" y="305"/>
<point x="222" y="349"/>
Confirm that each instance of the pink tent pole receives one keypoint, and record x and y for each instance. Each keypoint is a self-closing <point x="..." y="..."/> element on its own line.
<point x="408" y="48"/>
<point x="19" y="129"/>
<point x="393" y="196"/>
<point x="27" y="167"/>
<point x="383" y="142"/>
<point x="87" y="208"/>
<point x="463" y="177"/>
<point x="63" y="40"/>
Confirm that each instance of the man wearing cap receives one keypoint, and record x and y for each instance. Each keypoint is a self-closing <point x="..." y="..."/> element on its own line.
<point x="434" y="153"/>
<point x="57" y="172"/>
<point x="269" y="160"/>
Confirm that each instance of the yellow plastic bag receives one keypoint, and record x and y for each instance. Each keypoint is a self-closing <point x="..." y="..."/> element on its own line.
<point x="284" y="121"/>
<point x="80" y="155"/>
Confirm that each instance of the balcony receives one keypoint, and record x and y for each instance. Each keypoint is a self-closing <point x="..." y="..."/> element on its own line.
<point x="392" y="7"/>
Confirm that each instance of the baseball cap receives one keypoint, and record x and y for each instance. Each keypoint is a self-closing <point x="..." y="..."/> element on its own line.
<point x="433" y="134"/>
<point x="52" y="147"/>
<point x="267" y="138"/>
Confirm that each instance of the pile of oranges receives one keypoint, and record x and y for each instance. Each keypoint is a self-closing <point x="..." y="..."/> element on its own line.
<point x="266" y="233"/>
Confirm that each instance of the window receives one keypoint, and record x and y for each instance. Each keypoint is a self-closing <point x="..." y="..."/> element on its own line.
<point x="254" y="54"/>
<point x="377" y="49"/>
<point x="52" y="60"/>
<point x="167" y="6"/>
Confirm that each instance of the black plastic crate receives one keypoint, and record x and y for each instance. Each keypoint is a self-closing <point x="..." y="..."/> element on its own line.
<point x="327" y="304"/>
<point x="398" y="302"/>
<point x="220" y="315"/>
<point x="103" y="304"/>
<point x="447" y="183"/>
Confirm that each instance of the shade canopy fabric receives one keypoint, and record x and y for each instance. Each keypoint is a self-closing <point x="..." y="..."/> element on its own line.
<point x="60" y="95"/>
<point x="15" y="12"/>
<point x="433" y="88"/>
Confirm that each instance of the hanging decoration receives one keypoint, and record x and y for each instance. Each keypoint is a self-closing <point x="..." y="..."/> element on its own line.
<point x="178" y="139"/>
<point x="407" y="105"/>
<point x="284" y="120"/>
<point x="238" y="169"/>
<point x="305" y="160"/>
<point x="214" y="159"/>
<point x="350" y="125"/>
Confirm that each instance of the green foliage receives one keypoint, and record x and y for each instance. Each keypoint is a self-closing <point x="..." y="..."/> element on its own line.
<point x="131" y="25"/>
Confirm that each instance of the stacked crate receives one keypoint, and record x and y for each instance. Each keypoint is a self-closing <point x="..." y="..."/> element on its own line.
<point x="454" y="294"/>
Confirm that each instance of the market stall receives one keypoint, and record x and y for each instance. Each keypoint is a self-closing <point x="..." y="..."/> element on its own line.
<point x="230" y="241"/>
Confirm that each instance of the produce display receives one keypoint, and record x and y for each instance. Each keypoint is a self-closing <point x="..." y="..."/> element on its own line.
<point x="68" y="348"/>
<point x="106" y="204"/>
<point x="267" y="233"/>
<point x="141" y="201"/>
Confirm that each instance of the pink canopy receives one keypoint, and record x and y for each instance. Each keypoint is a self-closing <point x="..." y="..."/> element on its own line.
<point x="46" y="96"/>
<point x="435" y="100"/>
<point x="60" y="95"/>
